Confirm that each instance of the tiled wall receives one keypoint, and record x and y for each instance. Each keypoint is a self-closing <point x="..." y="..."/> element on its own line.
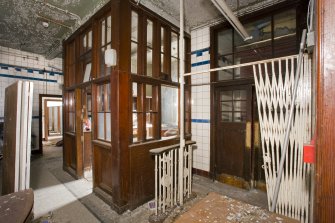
<point x="18" y="65"/>
<point x="200" y="44"/>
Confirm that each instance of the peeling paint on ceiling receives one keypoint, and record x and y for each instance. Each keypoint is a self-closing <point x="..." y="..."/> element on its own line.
<point x="21" y="20"/>
<point x="21" y="23"/>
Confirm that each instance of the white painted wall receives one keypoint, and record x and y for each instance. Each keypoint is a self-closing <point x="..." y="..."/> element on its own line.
<point x="200" y="42"/>
<point x="19" y="65"/>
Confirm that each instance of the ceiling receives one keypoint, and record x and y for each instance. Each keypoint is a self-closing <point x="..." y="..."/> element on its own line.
<point x="21" y="20"/>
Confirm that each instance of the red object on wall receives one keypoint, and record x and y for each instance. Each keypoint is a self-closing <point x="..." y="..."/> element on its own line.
<point x="309" y="153"/>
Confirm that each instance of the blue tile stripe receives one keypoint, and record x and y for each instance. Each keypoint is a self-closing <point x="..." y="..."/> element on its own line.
<point x="201" y="63"/>
<point x="200" y="120"/>
<point x="200" y="52"/>
<point x="29" y="70"/>
<point x="27" y="78"/>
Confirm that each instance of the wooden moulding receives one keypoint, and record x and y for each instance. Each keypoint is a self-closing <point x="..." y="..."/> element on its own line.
<point x="324" y="204"/>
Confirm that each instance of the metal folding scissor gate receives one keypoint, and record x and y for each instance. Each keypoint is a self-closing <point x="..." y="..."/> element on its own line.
<point x="274" y="80"/>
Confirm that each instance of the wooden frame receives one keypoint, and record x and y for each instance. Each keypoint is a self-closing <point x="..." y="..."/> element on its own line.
<point x="271" y="11"/>
<point x="46" y="119"/>
<point x="324" y="202"/>
<point x="121" y="171"/>
<point x="40" y="145"/>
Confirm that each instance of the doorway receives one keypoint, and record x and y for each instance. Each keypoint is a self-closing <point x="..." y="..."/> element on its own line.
<point x="237" y="152"/>
<point x="50" y="120"/>
<point x="86" y="133"/>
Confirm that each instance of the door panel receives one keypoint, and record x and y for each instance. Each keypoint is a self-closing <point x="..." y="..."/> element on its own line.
<point x="233" y="113"/>
<point x="237" y="153"/>
<point x="230" y="155"/>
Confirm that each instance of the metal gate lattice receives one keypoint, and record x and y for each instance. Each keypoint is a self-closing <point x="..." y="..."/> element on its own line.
<point x="274" y="81"/>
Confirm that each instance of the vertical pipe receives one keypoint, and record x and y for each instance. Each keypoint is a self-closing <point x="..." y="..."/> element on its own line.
<point x="181" y="82"/>
<point x="289" y="123"/>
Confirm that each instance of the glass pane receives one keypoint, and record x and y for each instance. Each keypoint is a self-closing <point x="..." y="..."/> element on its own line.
<point x="240" y="116"/>
<point x="134" y="96"/>
<point x="134" y="127"/>
<point x="240" y="105"/>
<point x="134" y="26"/>
<point x="149" y="62"/>
<point x="101" y="99"/>
<point x="148" y="97"/>
<point x="149" y="127"/>
<point x="84" y="42"/>
<point x="134" y="58"/>
<point x="162" y="62"/>
<point x="285" y="23"/>
<point x="222" y="62"/>
<point x="102" y="62"/>
<point x="240" y="95"/>
<point x="285" y="39"/>
<point x="109" y="29"/>
<point x="89" y="102"/>
<point x="174" y="44"/>
<point x="149" y="33"/>
<point x="108" y="126"/>
<point x="226" y="95"/>
<point x="108" y="94"/>
<point x="226" y="116"/>
<point x="103" y="34"/>
<point x="101" y="127"/>
<point x="174" y="69"/>
<point x="225" y="42"/>
<point x="90" y="39"/>
<point x="226" y="106"/>
<point x="162" y="39"/>
<point x="260" y="30"/>
<point x="169" y="105"/>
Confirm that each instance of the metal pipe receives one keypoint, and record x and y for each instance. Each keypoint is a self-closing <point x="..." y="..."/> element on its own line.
<point x="182" y="83"/>
<point x="232" y="19"/>
<point x="289" y="123"/>
<point x="238" y="65"/>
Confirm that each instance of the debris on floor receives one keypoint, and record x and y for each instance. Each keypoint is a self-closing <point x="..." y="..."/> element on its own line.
<point x="215" y="208"/>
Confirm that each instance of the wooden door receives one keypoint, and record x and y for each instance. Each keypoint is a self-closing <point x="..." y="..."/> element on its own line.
<point x="233" y="135"/>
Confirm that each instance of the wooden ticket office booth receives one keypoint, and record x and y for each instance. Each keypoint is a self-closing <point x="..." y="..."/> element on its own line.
<point x="133" y="106"/>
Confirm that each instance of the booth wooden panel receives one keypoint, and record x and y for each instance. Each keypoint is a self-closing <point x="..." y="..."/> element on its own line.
<point x="123" y="170"/>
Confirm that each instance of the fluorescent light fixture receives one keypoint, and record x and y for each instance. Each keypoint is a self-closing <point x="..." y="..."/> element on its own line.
<point x="222" y="6"/>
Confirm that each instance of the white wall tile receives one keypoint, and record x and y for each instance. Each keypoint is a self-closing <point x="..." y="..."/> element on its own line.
<point x="19" y="58"/>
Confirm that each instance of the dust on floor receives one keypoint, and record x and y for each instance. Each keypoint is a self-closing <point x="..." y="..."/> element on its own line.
<point x="215" y="208"/>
